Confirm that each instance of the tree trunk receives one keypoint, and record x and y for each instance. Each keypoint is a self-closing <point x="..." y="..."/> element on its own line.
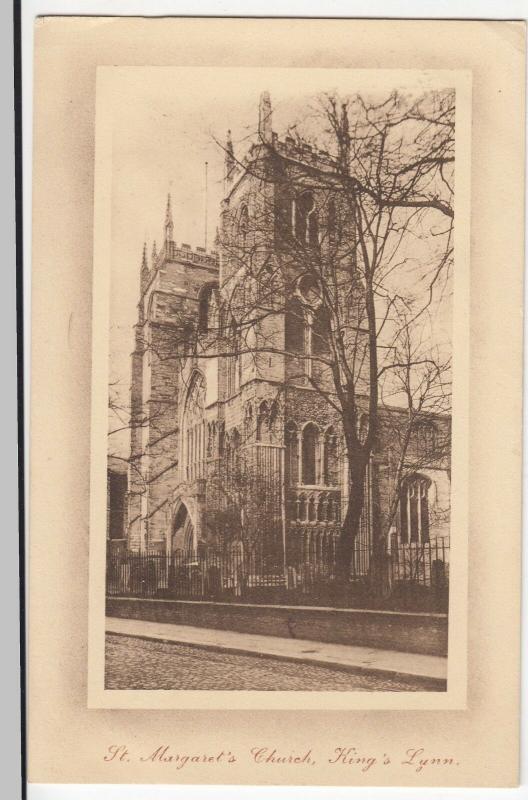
<point x="350" y="524"/>
<point x="380" y="564"/>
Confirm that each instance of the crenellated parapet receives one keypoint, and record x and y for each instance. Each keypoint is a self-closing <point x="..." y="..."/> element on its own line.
<point x="305" y="153"/>
<point x="186" y="254"/>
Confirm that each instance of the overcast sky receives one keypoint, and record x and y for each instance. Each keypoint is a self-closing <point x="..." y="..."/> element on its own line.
<point x="164" y="124"/>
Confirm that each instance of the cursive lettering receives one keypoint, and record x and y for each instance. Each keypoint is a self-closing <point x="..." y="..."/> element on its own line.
<point x="415" y="759"/>
<point x="117" y="752"/>
<point x="350" y="756"/>
<point x="164" y="755"/>
<point x="263" y="755"/>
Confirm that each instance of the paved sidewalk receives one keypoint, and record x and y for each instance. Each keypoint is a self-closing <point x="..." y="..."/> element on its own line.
<point x="430" y="669"/>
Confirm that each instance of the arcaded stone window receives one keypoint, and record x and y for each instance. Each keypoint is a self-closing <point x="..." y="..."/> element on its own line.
<point x="414" y="510"/>
<point x="310" y="449"/>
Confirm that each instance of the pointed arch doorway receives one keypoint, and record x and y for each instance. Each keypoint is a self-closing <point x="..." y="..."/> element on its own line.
<point x="183" y="534"/>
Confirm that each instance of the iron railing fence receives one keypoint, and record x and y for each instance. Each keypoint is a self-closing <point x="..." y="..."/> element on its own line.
<point x="412" y="576"/>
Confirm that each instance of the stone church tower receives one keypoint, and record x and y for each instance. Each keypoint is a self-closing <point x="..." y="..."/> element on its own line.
<point x="229" y="440"/>
<point x="234" y="445"/>
<point x="168" y="303"/>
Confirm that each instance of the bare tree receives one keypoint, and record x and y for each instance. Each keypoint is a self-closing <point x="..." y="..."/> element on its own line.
<point x="361" y="253"/>
<point x="337" y="247"/>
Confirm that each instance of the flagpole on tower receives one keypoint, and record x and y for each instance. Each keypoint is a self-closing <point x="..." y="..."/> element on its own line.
<point x="205" y="210"/>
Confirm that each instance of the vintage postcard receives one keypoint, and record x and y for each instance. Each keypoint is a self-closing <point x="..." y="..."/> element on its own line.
<point x="276" y="475"/>
<point x="279" y="279"/>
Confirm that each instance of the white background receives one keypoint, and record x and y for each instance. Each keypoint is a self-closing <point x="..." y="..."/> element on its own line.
<point x="491" y="9"/>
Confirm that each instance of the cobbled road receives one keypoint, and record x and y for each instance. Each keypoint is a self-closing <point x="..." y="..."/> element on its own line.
<point x="133" y="663"/>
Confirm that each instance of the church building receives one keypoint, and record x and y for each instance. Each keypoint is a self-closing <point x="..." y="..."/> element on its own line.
<point x="233" y="446"/>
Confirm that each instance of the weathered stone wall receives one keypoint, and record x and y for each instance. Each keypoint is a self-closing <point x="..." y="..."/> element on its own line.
<point x="391" y="630"/>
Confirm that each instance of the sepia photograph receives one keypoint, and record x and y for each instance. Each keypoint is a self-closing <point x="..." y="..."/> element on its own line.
<point x="275" y="483"/>
<point x="279" y="393"/>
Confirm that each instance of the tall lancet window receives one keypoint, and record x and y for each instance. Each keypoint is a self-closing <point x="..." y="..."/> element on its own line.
<point x="243" y="227"/>
<point x="306" y="223"/>
<point x="203" y="309"/>
<point x="310" y="451"/>
<point x="262" y="422"/>
<point x="207" y="309"/>
<point x="234" y="360"/>
<point x="194" y="429"/>
<point x="414" y="509"/>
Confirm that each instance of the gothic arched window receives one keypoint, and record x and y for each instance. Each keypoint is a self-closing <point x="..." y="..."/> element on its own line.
<point x="414" y="509"/>
<point x="193" y="428"/>
<point x="310" y="447"/>
<point x="306" y="225"/>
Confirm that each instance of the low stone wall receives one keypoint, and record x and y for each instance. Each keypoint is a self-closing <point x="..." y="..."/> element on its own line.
<point x="389" y="630"/>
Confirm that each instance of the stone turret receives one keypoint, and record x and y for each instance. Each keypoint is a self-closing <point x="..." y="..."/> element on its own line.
<point x="344" y="140"/>
<point x="265" y="118"/>
<point x="169" y="225"/>
<point x="229" y="163"/>
<point x="145" y="272"/>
